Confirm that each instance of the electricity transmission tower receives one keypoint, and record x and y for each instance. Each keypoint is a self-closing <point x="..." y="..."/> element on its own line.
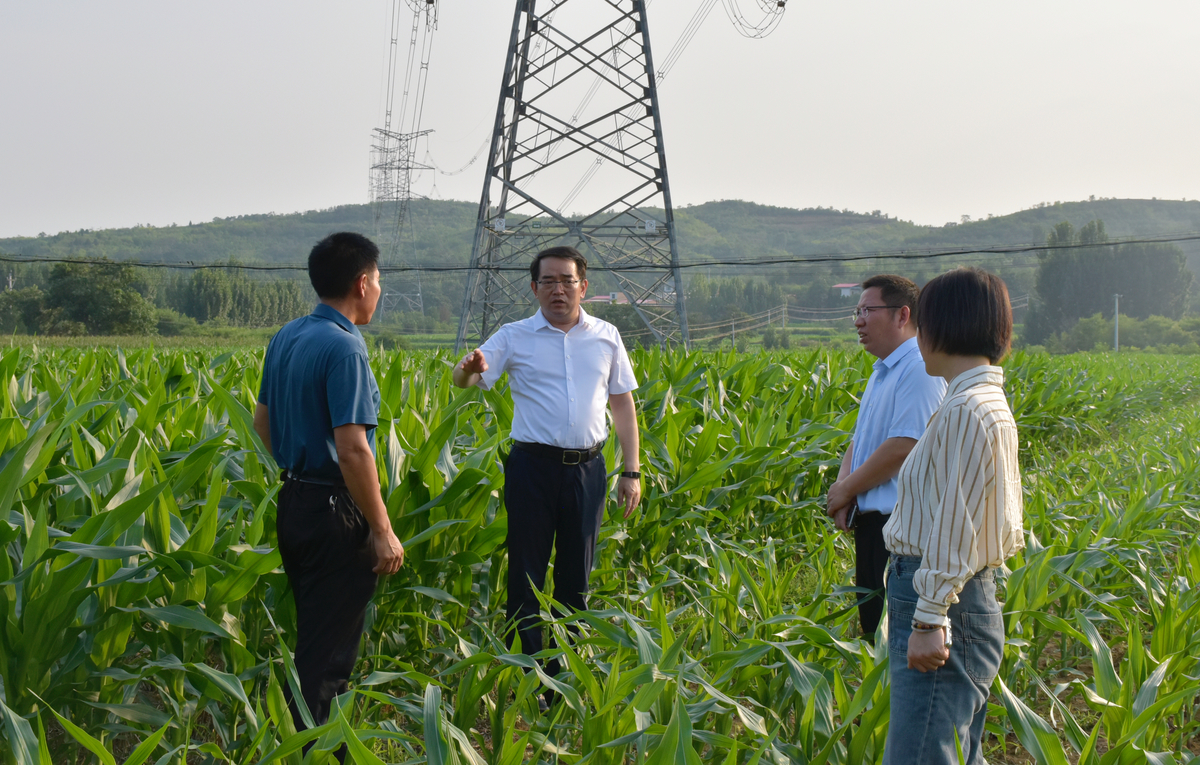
<point x="578" y="117"/>
<point x="393" y="153"/>
<point x="392" y="167"/>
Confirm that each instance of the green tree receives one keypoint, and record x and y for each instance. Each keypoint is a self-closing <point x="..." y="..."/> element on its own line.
<point x="21" y="310"/>
<point x="100" y="295"/>
<point x="210" y="296"/>
<point x="1152" y="279"/>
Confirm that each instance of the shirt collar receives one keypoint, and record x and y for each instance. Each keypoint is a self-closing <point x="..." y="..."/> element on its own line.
<point x="902" y="350"/>
<point x="984" y="375"/>
<point x="540" y="321"/>
<point x="326" y="311"/>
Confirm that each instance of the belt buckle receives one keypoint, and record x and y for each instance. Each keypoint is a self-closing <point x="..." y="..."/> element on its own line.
<point x="578" y="456"/>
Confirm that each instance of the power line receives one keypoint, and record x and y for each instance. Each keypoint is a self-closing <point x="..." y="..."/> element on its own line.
<point x="927" y="254"/>
<point x="767" y="318"/>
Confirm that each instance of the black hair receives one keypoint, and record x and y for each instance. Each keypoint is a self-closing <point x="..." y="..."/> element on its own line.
<point x="896" y="291"/>
<point x="565" y="253"/>
<point x="337" y="260"/>
<point x="966" y="312"/>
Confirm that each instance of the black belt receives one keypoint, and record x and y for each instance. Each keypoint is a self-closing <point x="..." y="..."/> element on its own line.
<point x="562" y="456"/>
<point x="288" y="475"/>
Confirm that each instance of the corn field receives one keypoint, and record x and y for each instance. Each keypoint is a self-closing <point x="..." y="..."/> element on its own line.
<point x="147" y="619"/>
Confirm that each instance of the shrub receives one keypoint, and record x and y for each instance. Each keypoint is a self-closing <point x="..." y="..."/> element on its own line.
<point x="172" y="323"/>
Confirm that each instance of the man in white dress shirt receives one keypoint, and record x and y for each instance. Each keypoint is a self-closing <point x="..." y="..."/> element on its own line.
<point x="563" y="367"/>
<point x="895" y="408"/>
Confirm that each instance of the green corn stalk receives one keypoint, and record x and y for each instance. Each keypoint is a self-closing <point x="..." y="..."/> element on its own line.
<point x="143" y="597"/>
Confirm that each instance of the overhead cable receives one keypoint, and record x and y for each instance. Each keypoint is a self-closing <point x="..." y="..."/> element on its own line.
<point x="1192" y="236"/>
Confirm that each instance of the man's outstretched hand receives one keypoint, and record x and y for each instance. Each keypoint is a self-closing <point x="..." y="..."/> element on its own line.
<point x="474" y="363"/>
<point x="468" y="371"/>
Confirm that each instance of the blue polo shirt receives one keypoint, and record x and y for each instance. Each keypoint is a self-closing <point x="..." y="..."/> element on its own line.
<point x="316" y="377"/>
<point x="899" y="400"/>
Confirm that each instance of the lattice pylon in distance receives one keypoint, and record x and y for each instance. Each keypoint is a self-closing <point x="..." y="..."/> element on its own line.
<point x="392" y="167"/>
<point x="577" y="158"/>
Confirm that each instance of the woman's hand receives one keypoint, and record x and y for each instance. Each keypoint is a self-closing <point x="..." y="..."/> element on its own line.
<point x="927" y="651"/>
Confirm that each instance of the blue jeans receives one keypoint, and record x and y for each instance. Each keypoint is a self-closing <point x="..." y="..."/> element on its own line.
<point x="927" y="708"/>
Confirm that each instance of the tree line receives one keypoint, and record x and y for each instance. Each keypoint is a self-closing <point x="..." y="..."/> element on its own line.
<point x="1073" y="284"/>
<point x="102" y="297"/>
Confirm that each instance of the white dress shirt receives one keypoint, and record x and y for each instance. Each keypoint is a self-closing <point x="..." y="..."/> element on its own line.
<point x="959" y="507"/>
<point x="560" y="381"/>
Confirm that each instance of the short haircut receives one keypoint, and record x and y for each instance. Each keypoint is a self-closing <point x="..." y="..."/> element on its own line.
<point x="966" y="312"/>
<point x="565" y="253"/>
<point x="896" y="291"/>
<point x="337" y="260"/>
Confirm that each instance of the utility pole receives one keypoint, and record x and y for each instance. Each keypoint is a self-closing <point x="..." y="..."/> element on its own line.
<point x="1116" y="322"/>
<point x="578" y="105"/>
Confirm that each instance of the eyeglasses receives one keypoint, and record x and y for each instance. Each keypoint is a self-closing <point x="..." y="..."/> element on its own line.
<point x="864" y="311"/>
<point x="552" y="283"/>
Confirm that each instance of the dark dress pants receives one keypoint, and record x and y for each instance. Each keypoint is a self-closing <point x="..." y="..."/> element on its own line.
<point x="871" y="561"/>
<point x="322" y="540"/>
<point x="550" y="505"/>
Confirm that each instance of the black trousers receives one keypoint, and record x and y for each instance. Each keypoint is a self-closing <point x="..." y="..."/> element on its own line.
<point x="871" y="560"/>
<point x="322" y="540"/>
<point x="550" y="505"/>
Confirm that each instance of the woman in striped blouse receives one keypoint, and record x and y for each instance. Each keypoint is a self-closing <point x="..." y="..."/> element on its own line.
<point x="957" y="518"/>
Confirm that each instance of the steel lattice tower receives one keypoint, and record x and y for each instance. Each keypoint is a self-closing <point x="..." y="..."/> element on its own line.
<point x="392" y="167"/>
<point x="393" y="154"/>
<point x="578" y="117"/>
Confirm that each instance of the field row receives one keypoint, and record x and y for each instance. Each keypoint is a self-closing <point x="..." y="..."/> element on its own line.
<point x="144" y="601"/>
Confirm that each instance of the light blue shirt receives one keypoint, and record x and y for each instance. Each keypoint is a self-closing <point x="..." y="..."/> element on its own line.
<point x="899" y="400"/>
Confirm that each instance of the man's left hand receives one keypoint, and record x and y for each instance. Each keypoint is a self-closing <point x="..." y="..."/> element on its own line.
<point x="927" y="651"/>
<point x="838" y="498"/>
<point x="629" y="493"/>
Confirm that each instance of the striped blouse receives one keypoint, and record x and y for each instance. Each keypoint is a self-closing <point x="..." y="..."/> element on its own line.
<point x="959" y="492"/>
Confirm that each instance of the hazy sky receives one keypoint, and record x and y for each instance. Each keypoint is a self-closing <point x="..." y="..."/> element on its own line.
<point x="133" y="111"/>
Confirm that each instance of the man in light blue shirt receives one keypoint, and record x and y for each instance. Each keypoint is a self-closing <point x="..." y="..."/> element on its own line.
<point x="895" y="408"/>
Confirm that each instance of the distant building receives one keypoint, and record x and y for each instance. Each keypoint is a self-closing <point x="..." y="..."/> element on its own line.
<point x="847" y="289"/>
<point x="612" y="297"/>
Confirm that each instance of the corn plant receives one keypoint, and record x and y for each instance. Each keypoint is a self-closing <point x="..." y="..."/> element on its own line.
<point x="147" y="617"/>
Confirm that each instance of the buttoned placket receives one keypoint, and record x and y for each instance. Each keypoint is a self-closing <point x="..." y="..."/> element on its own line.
<point x="867" y="403"/>
<point x="569" y="366"/>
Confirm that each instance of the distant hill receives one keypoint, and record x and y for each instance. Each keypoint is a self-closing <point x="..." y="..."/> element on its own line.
<point x="711" y="231"/>
<point x="266" y="238"/>
<point x="742" y="228"/>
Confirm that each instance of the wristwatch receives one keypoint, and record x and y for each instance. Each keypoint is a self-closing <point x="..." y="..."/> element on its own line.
<point x="631" y="474"/>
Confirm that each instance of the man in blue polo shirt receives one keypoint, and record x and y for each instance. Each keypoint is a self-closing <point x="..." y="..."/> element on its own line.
<point x="895" y="408"/>
<point x="317" y="412"/>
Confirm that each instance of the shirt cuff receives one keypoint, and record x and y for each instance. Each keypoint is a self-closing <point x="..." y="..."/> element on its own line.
<point x="929" y="612"/>
<point x="487" y="382"/>
<point x="905" y="433"/>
